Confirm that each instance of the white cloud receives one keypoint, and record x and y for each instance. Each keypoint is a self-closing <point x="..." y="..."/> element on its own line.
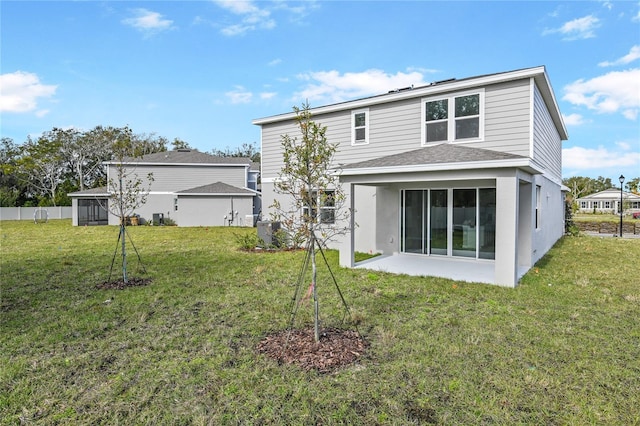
<point x="20" y="92"/>
<point x="148" y="22"/>
<point x="275" y="62"/>
<point x="636" y="18"/>
<point x="332" y="86"/>
<point x="579" y="158"/>
<point x="239" y="95"/>
<point x="609" y="93"/>
<point x="577" y="29"/>
<point x="573" y="119"/>
<point x="633" y="54"/>
<point x="267" y="95"/>
<point x="253" y="17"/>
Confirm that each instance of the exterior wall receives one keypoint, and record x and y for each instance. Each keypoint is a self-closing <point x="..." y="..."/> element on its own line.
<point x="211" y="211"/>
<point x="156" y="203"/>
<point x="552" y="217"/>
<point x="395" y="127"/>
<point x="172" y="178"/>
<point x="507" y="118"/>
<point x="547" y="146"/>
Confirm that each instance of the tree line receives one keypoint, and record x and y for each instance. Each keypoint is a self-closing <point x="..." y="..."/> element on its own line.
<point x="43" y="170"/>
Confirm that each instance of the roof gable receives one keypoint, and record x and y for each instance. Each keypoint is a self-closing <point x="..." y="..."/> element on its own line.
<point x="216" y="188"/>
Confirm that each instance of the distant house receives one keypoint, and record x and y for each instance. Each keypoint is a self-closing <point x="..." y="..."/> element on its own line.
<point x="608" y="201"/>
<point x="189" y="187"/>
<point x="459" y="178"/>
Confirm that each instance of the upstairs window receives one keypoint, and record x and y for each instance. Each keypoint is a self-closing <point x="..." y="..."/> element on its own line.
<point x="453" y="118"/>
<point x="360" y="127"/>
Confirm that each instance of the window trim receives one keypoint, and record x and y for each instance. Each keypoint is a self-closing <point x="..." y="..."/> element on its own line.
<point x="318" y="207"/>
<point x="451" y="119"/>
<point x="355" y="112"/>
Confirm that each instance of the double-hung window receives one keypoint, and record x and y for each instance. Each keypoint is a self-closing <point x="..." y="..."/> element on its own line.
<point x="326" y="201"/>
<point x="453" y="118"/>
<point x="360" y="127"/>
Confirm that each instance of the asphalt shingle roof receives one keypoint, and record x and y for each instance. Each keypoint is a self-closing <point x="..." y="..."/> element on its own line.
<point x="217" y="188"/>
<point x="437" y="154"/>
<point x="189" y="156"/>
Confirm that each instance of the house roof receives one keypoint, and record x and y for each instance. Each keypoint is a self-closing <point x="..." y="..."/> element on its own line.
<point x="610" y="194"/>
<point x="218" y="188"/>
<point x="435" y="157"/>
<point x="187" y="156"/>
<point x="102" y="190"/>
<point x="539" y="74"/>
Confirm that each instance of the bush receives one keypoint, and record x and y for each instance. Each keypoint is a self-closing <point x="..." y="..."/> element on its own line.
<point x="247" y="241"/>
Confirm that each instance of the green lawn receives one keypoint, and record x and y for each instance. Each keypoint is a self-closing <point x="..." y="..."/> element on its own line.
<point x="562" y="348"/>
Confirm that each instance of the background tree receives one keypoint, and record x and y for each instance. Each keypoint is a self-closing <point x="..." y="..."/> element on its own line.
<point x="41" y="165"/>
<point x="248" y="150"/>
<point x="309" y="183"/>
<point x="633" y="185"/>
<point x="13" y="191"/>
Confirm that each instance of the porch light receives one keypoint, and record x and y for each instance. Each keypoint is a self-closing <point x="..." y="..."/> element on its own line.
<point x="621" y="179"/>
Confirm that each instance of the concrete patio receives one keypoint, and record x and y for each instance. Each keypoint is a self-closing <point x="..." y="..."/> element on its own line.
<point x="459" y="269"/>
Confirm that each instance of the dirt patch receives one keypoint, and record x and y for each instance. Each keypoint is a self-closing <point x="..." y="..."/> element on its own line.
<point x="335" y="349"/>
<point x="121" y="285"/>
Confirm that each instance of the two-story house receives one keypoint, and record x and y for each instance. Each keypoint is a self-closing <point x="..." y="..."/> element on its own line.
<point x="191" y="188"/>
<point x="459" y="178"/>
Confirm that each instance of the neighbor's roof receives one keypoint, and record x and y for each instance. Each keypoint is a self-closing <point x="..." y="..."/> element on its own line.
<point x="187" y="156"/>
<point x="102" y="190"/>
<point x="609" y="194"/>
<point x="539" y="74"/>
<point x="218" y="188"/>
<point x="436" y="157"/>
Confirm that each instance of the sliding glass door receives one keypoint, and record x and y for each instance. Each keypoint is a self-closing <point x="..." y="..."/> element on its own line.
<point x="454" y="222"/>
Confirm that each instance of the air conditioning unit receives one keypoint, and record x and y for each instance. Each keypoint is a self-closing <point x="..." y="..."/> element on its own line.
<point x="266" y="231"/>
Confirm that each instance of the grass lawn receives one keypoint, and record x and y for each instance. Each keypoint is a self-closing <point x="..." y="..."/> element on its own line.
<point x="561" y="348"/>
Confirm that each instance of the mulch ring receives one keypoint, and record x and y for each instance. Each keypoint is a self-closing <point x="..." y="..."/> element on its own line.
<point x="335" y="349"/>
<point x="121" y="285"/>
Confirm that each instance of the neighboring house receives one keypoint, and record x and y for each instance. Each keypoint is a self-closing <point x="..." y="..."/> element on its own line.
<point x="608" y="201"/>
<point x="191" y="188"/>
<point x="460" y="178"/>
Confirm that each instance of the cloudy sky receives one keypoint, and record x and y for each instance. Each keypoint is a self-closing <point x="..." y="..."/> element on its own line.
<point x="202" y="70"/>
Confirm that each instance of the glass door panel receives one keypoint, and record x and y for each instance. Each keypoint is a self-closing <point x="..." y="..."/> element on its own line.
<point x="487" y="228"/>
<point x="413" y="230"/>
<point x="464" y="223"/>
<point x="439" y="222"/>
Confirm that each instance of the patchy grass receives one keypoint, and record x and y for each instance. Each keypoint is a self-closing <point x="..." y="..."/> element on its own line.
<point x="562" y="348"/>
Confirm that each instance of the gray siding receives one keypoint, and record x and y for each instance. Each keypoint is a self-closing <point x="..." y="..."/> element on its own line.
<point x="547" y="148"/>
<point x="395" y="127"/>
<point x="507" y="118"/>
<point x="170" y="178"/>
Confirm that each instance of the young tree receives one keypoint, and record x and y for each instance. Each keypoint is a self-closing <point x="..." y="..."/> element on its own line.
<point x="314" y="214"/>
<point x="128" y="190"/>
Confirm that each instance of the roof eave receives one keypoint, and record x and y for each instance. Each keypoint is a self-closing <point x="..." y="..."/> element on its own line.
<point x="524" y="164"/>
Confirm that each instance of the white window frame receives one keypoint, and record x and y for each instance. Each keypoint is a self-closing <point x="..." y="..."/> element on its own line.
<point x="451" y="119"/>
<point x="355" y="141"/>
<point x="318" y="207"/>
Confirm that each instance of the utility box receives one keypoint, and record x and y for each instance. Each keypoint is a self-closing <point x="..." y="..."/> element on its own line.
<point x="158" y="218"/>
<point x="266" y="232"/>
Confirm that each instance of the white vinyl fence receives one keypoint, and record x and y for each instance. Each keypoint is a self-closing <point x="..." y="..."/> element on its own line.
<point x="35" y="213"/>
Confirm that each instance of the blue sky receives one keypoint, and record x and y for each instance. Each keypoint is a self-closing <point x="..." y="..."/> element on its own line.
<point x="202" y="70"/>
